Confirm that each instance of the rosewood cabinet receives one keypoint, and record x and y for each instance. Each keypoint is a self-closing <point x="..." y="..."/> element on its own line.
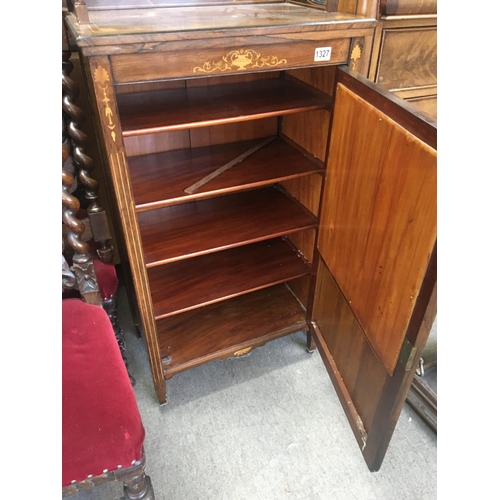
<point x="264" y="186"/>
<point x="404" y="58"/>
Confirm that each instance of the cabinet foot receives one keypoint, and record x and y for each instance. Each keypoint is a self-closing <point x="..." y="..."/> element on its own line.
<point x="311" y="345"/>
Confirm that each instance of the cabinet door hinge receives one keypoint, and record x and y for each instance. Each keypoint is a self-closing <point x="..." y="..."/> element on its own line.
<point x="407" y="354"/>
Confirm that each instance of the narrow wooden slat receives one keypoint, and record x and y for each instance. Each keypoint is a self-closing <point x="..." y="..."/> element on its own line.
<point x="201" y="227"/>
<point x="192" y="338"/>
<point x="191" y="283"/>
<point x="219" y="171"/>
<point x="145" y="113"/>
<point x="161" y="179"/>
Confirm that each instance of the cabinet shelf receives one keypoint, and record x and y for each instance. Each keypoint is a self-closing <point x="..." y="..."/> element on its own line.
<point x="201" y="227"/>
<point x="226" y="328"/>
<point x="161" y="179"/>
<point x="166" y="110"/>
<point x="188" y="284"/>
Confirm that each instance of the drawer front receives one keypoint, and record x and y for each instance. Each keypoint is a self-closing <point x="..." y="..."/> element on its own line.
<point x="408" y="59"/>
<point x="407" y="7"/>
<point x="231" y="56"/>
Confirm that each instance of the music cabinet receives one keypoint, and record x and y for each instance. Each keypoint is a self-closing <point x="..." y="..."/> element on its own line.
<point x="262" y="186"/>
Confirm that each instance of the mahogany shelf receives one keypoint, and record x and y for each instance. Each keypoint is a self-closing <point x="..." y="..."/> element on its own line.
<point x="228" y="328"/>
<point x="201" y="227"/>
<point x="164" y="110"/>
<point x="161" y="179"/>
<point x="189" y="284"/>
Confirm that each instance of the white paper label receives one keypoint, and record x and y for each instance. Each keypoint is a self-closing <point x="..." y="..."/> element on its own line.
<point x="323" y="54"/>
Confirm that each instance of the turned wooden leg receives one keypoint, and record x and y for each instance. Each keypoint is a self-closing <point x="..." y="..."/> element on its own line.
<point x="136" y="485"/>
<point x="311" y="344"/>
<point x="110" y="306"/>
<point x="138" y="488"/>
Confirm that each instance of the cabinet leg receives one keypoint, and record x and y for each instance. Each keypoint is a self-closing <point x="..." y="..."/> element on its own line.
<point x="311" y="344"/>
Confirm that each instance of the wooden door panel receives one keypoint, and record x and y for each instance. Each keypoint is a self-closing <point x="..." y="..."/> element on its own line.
<point x="380" y="197"/>
<point x="344" y="340"/>
<point x="375" y="289"/>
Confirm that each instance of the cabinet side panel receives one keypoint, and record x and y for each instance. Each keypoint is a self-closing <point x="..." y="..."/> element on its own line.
<point x="309" y="130"/>
<point x="378" y="220"/>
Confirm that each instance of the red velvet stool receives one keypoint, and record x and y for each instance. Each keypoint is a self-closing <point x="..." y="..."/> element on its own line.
<point x="102" y="431"/>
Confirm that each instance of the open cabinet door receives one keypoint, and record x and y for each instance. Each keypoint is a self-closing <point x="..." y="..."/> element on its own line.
<point x="375" y="290"/>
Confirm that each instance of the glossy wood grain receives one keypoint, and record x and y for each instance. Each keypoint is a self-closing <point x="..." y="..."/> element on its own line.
<point x="200" y="227"/>
<point x="380" y="197"/>
<point x="407" y="7"/>
<point x="190" y="339"/>
<point x="192" y="283"/>
<point x="144" y="113"/>
<point x="229" y="56"/>
<point x="142" y="26"/>
<point x="408" y="58"/>
<point x="233" y="132"/>
<point x="356" y="369"/>
<point x="161" y="179"/>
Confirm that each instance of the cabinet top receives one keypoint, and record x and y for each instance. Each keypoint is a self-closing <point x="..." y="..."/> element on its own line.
<point x="159" y="24"/>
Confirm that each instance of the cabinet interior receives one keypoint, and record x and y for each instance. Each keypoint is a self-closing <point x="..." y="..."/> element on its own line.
<point x="227" y="175"/>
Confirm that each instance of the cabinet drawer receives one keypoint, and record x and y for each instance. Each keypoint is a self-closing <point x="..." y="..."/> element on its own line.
<point x="230" y="56"/>
<point x="408" y="7"/>
<point x="408" y="59"/>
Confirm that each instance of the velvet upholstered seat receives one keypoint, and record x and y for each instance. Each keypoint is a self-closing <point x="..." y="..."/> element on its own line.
<point x="102" y="430"/>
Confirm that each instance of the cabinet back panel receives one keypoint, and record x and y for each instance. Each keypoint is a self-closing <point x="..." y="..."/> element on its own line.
<point x="156" y="143"/>
<point x="322" y="77"/>
<point x="307" y="190"/>
<point x="130" y="88"/>
<point x="225" y="80"/>
<point x="233" y="132"/>
<point x="378" y="219"/>
<point x="309" y="130"/>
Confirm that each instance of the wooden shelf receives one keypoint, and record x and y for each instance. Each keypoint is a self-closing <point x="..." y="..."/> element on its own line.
<point x="200" y="227"/>
<point x="189" y="284"/>
<point x="161" y="111"/>
<point x="161" y="179"/>
<point x="225" y="329"/>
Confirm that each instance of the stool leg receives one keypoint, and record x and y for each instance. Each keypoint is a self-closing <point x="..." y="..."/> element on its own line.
<point x="138" y="488"/>
<point x="111" y="307"/>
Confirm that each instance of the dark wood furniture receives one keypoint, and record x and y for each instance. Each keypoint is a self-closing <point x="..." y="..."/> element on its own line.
<point x="404" y="59"/>
<point x="404" y="62"/>
<point x="264" y="186"/>
<point x="86" y="234"/>
<point x="102" y="431"/>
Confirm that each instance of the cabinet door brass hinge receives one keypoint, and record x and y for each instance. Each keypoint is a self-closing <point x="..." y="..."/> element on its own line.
<point x="407" y="354"/>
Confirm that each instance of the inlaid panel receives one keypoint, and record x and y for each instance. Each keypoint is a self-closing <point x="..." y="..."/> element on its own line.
<point x="229" y="56"/>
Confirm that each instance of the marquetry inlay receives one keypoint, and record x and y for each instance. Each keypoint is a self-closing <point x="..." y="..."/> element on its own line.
<point x="240" y="60"/>
<point x="101" y="76"/>
<point x="355" y="54"/>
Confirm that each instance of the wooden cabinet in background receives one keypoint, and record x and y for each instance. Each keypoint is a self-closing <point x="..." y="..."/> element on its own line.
<point x="404" y="58"/>
<point x="263" y="186"/>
